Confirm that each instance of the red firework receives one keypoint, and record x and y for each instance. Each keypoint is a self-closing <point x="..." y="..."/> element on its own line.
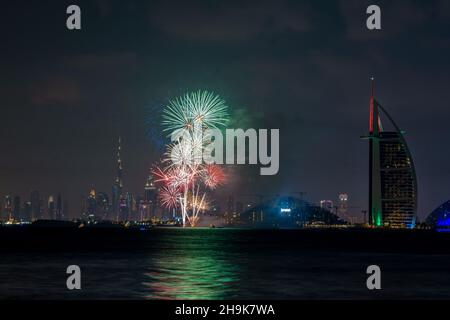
<point x="161" y="175"/>
<point x="169" y="197"/>
<point x="213" y="176"/>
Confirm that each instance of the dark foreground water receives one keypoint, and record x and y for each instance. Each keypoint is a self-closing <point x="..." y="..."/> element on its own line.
<point x="222" y="264"/>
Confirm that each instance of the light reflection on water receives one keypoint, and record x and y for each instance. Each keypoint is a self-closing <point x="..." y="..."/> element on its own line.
<point x="219" y="264"/>
<point x="198" y="277"/>
<point x="191" y="268"/>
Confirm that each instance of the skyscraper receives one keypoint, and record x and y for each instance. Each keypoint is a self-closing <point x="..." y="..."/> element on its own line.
<point x="83" y="207"/>
<point x="51" y="208"/>
<point x="149" y="189"/>
<point x="130" y="204"/>
<point x="392" y="176"/>
<point x="65" y="214"/>
<point x="327" y="205"/>
<point x="124" y="210"/>
<point x="35" y="205"/>
<point x="230" y="214"/>
<point x="8" y="208"/>
<point x="230" y="205"/>
<point x="343" y="205"/>
<point x="59" y="208"/>
<point x="150" y="197"/>
<point x="16" y="213"/>
<point x="92" y="205"/>
<point x="143" y="210"/>
<point x="118" y="184"/>
<point x="103" y="205"/>
<point x="239" y="207"/>
<point x="27" y="209"/>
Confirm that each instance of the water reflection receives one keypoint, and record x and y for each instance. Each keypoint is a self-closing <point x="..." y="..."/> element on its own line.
<point x="192" y="268"/>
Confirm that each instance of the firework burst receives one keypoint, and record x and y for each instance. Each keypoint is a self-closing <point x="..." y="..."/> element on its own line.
<point x="213" y="176"/>
<point x="200" y="107"/>
<point x="184" y="152"/>
<point x="169" y="196"/>
<point x="184" y="176"/>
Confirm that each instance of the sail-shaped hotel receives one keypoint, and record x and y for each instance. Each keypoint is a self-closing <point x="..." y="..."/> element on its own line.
<point x="392" y="176"/>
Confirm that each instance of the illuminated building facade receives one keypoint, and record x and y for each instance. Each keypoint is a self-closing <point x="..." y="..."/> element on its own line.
<point x="230" y="213"/>
<point x="59" y="208"/>
<point x="392" y="177"/>
<point x="239" y="207"/>
<point x="327" y="205"/>
<point x="343" y="205"/>
<point x="288" y="212"/>
<point x="149" y="205"/>
<point x="16" y="212"/>
<point x="8" y="208"/>
<point x="440" y="217"/>
<point x="36" y="206"/>
<point x="27" y="209"/>
<point x="124" y="210"/>
<point x="66" y="214"/>
<point x="92" y="205"/>
<point x="51" y="208"/>
<point x="103" y="205"/>
<point x="118" y="185"/>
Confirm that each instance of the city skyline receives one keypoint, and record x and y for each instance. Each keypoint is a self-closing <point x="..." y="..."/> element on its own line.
<point x="118" y="191"/>
<point x="38" y="206"/>
<point x="68" y="95"/>
<point x="392" y="189"/>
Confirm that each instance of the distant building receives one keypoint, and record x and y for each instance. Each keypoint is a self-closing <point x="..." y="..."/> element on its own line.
<point x="124" y="211"/>
<point x="66" y="214"/>
<point x="103" y="206"/>
<point x="214" y="207"/>
<point x="138" y="202"/>
<point x="327" y="205"/>
<point x="239" y="207"/>
<point x="51" y="210"/>
<point x="83" y="207"/>
<point x="149" y="189"/>
<point x="16" y="212"/>
<point x="27" y="212"/>
<point x="288" y="212"/>
<point x="230" y="205"/>
<point x="36" y="208"/>
<point x="440" y="217"/>
<point x="343" y="205"/>
<point x="8" y="208"/>
<point x="59" y="208"/>
<point x="150" y="197"/>
<point x="144" y="210"/>
<point x="117" y="188"/>
<point x="131" y="206"/>
<point x="91" y="203"/>
<point x="230" y="214"/>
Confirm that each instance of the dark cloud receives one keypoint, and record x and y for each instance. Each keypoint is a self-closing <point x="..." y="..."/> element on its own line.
<point x="229" y="21"/>
<point x="102" y="62"/>
<point x="53" y="91"/>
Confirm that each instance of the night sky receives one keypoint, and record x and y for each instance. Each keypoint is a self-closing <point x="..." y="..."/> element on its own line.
<point x="300" y="66"/>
